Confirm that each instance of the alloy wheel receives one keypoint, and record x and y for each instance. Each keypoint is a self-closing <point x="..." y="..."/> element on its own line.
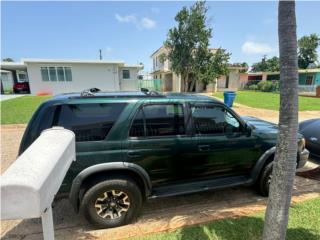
<point x="112" y="204"/>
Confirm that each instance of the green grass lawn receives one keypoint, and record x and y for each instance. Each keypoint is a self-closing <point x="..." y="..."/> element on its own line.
<point x="303" y="224"/>
<point x="19" y="110"/>
<point x="270" y="101"/>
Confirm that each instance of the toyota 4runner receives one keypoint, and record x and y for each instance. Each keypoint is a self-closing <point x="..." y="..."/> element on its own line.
<point x="132" y="146"/>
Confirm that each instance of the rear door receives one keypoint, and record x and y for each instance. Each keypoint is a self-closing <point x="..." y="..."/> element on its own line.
<point x="159" y="141"/>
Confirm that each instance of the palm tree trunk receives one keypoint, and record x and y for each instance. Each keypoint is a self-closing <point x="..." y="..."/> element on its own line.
<point x="277" y="213"/>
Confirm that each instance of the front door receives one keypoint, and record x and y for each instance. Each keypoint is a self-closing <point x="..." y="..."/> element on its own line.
<point x="223" y="148"/>
<point x="159" y="142"/>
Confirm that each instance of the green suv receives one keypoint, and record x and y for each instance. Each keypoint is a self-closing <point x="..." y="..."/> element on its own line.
<point x="132" y="146"/>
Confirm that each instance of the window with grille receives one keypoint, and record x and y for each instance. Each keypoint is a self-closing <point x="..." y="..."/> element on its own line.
<point x="54" y="74"/>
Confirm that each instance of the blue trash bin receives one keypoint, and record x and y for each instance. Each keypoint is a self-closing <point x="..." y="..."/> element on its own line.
<point x="229" y="97"/>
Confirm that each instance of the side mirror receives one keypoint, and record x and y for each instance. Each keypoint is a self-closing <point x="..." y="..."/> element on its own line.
<point x="247" y="130"/>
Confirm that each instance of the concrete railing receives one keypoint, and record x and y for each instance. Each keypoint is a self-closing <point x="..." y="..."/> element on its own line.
<point x="29" y="185"/>
<point x="307" y="88"/>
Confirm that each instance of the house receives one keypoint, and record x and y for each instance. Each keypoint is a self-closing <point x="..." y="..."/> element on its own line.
<point x="53" y="76"/>
<point x="172" y="82"/>
<point x="162" y="70"/>
<point x="12" y="73"/>
<point x="309" y="79"/>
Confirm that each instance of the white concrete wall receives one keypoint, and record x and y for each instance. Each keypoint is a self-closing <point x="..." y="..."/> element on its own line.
<point x="130" y="84"/>
<point x="84" y="76"/>
<point x="157" y="64"/>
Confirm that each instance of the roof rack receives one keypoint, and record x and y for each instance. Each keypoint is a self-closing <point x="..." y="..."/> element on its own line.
<point x="97" y="93"/>
<point x="150" y="93"/>
<point x="89" y="92"/>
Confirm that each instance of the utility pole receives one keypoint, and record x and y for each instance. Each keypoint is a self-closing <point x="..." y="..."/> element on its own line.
<point x="100" y="54"/>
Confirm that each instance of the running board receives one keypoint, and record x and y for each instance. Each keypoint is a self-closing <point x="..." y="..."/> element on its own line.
<point x="200" y="186"/>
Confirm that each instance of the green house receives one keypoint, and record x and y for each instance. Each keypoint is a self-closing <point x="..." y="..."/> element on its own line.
<point x="309" y="77"/>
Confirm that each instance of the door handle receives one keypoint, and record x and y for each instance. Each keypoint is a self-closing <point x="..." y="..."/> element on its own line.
<point x="204" y="148"/>
<point x="133" y="154"/>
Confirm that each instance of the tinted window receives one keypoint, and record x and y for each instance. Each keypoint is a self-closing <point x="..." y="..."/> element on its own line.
<point x="137" y="127"/>
<point x="209" y="119"/>
<point x="90" y="122"/>
<point x="159" y="120"/>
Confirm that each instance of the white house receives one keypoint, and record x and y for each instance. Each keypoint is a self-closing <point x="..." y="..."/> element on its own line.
<point x="54" y="76"/>
<point x="172" y="82"/>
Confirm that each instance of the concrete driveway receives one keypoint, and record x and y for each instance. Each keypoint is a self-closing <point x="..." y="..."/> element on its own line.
<point x="4" y="97"/>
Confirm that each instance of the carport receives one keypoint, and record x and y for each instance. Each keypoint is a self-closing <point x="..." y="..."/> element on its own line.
<point x="15" y="72"/>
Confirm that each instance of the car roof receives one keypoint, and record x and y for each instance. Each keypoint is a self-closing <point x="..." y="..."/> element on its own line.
<point x="135" y="95"/>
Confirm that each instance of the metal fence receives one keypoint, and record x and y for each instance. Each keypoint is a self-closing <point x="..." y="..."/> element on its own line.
<point x="150" y="84"/>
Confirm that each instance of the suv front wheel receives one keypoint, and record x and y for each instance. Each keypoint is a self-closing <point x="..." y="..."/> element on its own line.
<point x="265" y="180"/>
<point x="112" y="202"/>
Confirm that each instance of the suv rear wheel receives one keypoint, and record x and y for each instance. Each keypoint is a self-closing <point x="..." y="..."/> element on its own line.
<point x="113" y="202"/>
<point x="265" y="180"/>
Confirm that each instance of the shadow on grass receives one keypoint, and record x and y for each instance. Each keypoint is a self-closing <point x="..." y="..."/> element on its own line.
<point x="249" y="228"/>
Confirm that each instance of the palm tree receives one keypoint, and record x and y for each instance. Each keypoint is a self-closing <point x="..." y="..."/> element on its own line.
<point x="277" y="213"/>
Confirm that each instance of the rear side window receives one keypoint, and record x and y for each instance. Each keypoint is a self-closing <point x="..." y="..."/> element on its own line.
<point x="90" y="122"/>
<point x="158" y="120"/>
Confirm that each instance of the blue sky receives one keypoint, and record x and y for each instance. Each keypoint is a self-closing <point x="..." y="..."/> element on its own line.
<point x="131" y="31"/>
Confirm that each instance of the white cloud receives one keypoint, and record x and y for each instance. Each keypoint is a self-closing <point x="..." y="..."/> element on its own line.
<point x="250" y="47"/>
<point x="147" y="23"/>
<point x="142" y="23"/>
<point x="126" y="18"/>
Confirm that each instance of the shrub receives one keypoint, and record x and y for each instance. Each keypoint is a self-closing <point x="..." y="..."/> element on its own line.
<point x="268" y="86"/>
<point x="253" y="87"/>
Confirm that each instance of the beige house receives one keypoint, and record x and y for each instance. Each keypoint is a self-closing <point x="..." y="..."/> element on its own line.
<point x="162" y="70"/>
<point x="172" y="82"/>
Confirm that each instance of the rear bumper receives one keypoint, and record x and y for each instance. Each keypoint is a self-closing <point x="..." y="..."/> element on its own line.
<point x="303" y="158"/>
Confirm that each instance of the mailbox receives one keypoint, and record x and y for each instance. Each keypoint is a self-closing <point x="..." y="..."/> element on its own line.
<point x="29" y="185"/>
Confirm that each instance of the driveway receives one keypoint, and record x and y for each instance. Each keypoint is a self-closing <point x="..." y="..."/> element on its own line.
<point x="4" y="97"/>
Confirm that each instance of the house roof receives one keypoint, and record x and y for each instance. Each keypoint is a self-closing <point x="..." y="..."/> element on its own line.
<point x="158" y="50"/>
<point x="37" y="60"/>
<point x="25" y="61"/>
<point x="213" y="50"/>
<point x="13" y="65"/>
<point x="312" y="70"/>
<point x="140" y="66"/>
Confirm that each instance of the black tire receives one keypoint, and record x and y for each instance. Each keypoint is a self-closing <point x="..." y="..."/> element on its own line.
<point x="120" y="184"/>
<point x="264" y="181"/>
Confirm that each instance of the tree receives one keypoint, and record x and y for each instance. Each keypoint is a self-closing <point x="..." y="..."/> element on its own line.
<point x="244" y="66"/>
<point x="266" y="65"/>
<point x="188" y="46"/>
<point x="284" y="166"/>
<point x="7" y="60"/>
<point x="308" y="50"/>
<point x="212" y="66"/>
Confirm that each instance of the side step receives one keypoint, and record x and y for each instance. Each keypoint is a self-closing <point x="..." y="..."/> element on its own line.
<point x="200" y="186"/>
